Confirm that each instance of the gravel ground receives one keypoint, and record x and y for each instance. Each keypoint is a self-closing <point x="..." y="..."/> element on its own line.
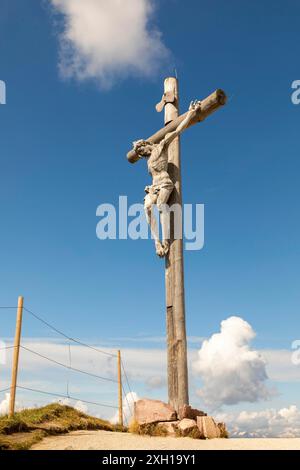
<point x="105" y="440"/>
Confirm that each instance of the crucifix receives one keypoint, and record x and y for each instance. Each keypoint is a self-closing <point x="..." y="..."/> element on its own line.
<point x="162" y="153"/>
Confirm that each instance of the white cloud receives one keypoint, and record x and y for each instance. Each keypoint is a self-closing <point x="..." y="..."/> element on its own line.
<point x="78" y="405"/>
<point x="266" y="423"/>
<point x="4" y="405"/>
<point x="230" y="370"/>
<point x="108" y="40"/>
<point x="128" y="407"/>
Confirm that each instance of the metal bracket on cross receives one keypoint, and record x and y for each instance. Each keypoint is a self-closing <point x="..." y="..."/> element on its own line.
<point x="168" y="97"/>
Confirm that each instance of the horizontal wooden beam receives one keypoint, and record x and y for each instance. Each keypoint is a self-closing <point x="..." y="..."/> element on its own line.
<point x="208" y="106"/>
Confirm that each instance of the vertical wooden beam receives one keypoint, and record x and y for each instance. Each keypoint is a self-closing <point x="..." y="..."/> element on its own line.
<point x="15" y="364"/>
<point x="174" y="274"/>
<point x="120" y="389"/>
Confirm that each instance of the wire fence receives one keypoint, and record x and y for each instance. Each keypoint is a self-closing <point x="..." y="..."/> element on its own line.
<point x="35" y="378"/>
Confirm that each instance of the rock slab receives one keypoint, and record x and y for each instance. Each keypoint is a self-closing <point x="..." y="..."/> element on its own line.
<point x="186" y="426"/>
<point x="153" y="411"/>
<point x="208" y="427"/>
<point x="170" y="427"/>
<point x="186" y="411"/>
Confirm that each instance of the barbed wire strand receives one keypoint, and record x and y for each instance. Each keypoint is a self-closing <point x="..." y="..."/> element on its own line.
<point x="129" y="407"/>
<point x="8" y="347"/>
<point x="129" y="388"/>
<point x="66" y="336"/>
<point x="123" y="413"/>
<point x="126" y="378"/>
<point x="68" y="367"/>
<point x="59" y="395"/>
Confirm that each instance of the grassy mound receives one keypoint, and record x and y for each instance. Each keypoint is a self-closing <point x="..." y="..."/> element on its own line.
<point x="30" y="426"/>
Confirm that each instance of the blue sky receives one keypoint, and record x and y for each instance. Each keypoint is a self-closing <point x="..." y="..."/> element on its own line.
<point x="63" y="147"/>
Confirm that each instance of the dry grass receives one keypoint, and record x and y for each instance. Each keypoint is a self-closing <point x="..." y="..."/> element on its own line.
<point x="147" y="429"/>
<point x="223" y="431"/>
<point x="153" y="430"/>
<point x="193" y="433"/>
<point x="30" y="426"/>
<point x="134" y="427"/>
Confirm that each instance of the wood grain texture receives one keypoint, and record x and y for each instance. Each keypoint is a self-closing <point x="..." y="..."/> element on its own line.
<point x="208" y="106"/>
<point x="15" y="364"/>
<point x="174" y="274"/>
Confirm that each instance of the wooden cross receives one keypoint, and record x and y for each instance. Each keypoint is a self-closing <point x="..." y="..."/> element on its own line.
<point x="174" y="274"/>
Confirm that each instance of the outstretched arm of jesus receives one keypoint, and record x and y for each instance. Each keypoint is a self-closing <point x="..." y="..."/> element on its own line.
<point x="194" y="107"/>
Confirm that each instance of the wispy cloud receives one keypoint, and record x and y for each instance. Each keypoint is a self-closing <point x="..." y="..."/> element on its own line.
<point x="108" y="40"/>
<point x="156" y="382"/>
<point x="146" y="340"/>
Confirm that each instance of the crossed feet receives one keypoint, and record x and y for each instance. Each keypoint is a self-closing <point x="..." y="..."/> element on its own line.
<point x="162" y="249"/>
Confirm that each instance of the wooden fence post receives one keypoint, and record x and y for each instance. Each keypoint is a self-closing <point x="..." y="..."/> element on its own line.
<point x="120" y="390"/>
<point x="15" y="364"/>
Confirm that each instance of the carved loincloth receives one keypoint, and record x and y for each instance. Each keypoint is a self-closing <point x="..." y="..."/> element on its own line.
<point x="154" y="189"/>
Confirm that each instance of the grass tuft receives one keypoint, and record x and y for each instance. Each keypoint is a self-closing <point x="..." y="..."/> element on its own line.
<point x="152" y="429"/>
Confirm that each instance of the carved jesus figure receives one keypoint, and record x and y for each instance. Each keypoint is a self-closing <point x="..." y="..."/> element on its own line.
<point x="162" y="186"/>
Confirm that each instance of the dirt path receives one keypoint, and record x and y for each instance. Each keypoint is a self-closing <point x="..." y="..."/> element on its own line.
<point x="105" y="440"/>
